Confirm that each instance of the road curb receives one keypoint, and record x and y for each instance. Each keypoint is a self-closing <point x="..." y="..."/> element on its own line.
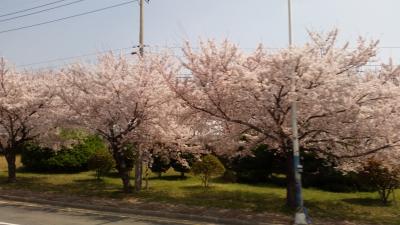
<point x="170" y="215"/>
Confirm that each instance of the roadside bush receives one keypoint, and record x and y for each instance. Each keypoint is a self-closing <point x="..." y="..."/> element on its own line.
<point x="35" y="158"/>
<point x="208" y="167"/>
<point x="73" y="159"/>
<point x="184" y="164"/>
<point x="322" y="173"/>
<point x="101" y="162"/>
<point x="70" y="160"/>
<point x="256" y="168"/>
<point x="161" y="163"/>
<point x="76" y="159"/>
<point x="229" y="176"/>
<point x="382" y="177"/>
<point x="266" y="164"/>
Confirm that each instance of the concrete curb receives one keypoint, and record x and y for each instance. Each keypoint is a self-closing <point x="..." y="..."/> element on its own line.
<point x="170" y="215"/>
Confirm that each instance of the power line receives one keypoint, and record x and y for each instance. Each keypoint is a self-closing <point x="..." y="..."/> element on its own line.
<point x="71" y="57"/>
<point x="40" y="11"/>
<point x="49" y="66"/>
<point x="90" y="54"/>
<point x="389" y="47"/>
<point x="29" y="9"/>
<point x="68" y="17"/>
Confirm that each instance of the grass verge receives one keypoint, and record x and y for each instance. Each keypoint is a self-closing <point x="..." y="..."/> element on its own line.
<point x="359" y="206"/>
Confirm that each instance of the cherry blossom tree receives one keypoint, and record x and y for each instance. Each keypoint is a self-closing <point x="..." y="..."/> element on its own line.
<point x="25" y="110"/>
<point x="345" y="109"/>
<point x="120" y="99"/>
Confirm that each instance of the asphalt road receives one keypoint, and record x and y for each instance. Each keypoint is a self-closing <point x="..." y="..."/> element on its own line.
<point x="18" y="213"/>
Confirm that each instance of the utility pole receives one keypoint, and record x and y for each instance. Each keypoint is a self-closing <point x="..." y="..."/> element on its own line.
<point x="141" y="29"/>
<point x="300" y="216"/>
<point x="139" y="159"/>
<point x="141" y="35"/>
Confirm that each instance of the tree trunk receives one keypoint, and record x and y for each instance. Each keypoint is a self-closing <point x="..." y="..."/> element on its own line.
<point x="12" y="177"/>
<point x="124" y="173"/>
<point x="126" y="180"/>
<point x="146" y="178"/>
<point x="182" y="175"/>
<point x="206" y="181"/>
<point x="385" y="194"/>
<point x="123" y="169"/>
<point x="98" y="175"/>
<point x="138" y="173"/>
<point x="290" y="182"/>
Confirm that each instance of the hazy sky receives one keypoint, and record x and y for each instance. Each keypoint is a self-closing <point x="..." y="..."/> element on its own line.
<point x="169" y="22"/>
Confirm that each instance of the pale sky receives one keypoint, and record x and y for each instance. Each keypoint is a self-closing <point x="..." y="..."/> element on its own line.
<point x="170" y="22"/>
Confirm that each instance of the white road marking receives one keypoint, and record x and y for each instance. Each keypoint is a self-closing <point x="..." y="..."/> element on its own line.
<point x="3" y="223"/>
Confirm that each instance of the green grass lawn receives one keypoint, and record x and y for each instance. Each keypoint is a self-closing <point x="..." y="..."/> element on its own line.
<point x="360" y="206"/>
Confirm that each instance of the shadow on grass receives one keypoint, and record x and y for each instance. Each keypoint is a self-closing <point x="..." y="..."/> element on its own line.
<point x="80" y="187"/>
<point x="199" y="188"/>
<point x="217" y="197"/>
<point x="364" y="210"/>
<point x="21" y="181"/>
<point x="94" y="187"/>
<point x="91" y="181"/>
<point x="25" y="170"/>
<point x="267" y="185"/>
<point x="22" y="170"/>
<point x="112" y="174"/>
<point x="365" y="201"/>
<point x="171" y="177"/>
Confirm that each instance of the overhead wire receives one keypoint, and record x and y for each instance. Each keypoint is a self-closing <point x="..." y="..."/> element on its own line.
<point x="68" y="17"/>
<point x="32" y="8"/>
<point x="41" y="11"/>
<point x="71" y="57"/>
<point x="64" y="61"/>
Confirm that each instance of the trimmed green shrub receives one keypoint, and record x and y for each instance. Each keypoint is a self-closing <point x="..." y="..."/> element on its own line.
<point x="101" y="162"/>
<point x="74" y="159"/>
<point x="69" y="160"/>
<point x="322" y="173"/>
<point x="265" y="164"/>
<point x="256" y="168"/>
<point x="184" y="164"/>
<point x="161" y="163"/>
<point x="229" y="176"/>
<point x="208" y="167"/>
<point x="35" y="158"/>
